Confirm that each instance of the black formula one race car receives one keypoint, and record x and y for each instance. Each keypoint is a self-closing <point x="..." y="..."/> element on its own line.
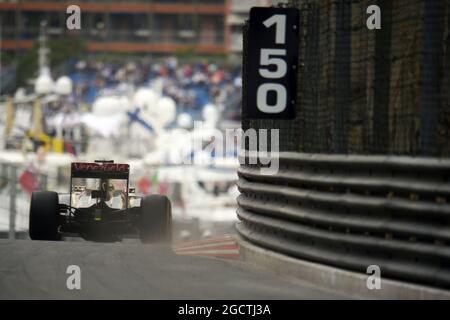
<point x="100" y="207"/>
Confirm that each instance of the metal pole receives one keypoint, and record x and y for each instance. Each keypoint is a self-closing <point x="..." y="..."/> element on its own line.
<point x="43" y="182"/>
<point x="12" y="202"/>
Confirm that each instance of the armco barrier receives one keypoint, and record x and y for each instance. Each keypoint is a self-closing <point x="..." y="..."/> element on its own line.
<point x="14" y="202"/>
<point x="352" y="211"/>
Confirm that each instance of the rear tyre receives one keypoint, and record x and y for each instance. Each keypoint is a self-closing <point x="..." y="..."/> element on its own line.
<point x="44" y="216"/>
<point x="156" y="219"/>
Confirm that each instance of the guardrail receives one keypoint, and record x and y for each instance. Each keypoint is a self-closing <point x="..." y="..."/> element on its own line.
<point x="14" y="201"/>
<point x="352" y="211"/>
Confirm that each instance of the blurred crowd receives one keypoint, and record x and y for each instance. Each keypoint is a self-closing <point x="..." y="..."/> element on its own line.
<point x="192" y="85"/>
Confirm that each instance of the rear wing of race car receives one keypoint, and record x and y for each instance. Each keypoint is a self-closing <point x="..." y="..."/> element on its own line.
<point x="100" y="170"/>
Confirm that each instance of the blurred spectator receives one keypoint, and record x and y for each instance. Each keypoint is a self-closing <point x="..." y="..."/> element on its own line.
<point x="191" y="85"/>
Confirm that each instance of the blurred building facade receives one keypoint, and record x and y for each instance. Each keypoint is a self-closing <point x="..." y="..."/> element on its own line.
<point x="137" y="26"/>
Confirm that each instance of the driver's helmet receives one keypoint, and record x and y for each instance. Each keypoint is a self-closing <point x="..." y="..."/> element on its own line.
<point x="108" y="187"/>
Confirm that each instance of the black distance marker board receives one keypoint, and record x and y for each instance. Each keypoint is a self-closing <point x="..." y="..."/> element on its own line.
<point x="273" y="38"/>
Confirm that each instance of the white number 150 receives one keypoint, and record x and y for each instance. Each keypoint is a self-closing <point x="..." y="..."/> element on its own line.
<point x="271" y="57"/>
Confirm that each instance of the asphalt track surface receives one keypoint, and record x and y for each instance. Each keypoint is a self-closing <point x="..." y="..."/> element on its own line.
<point x="37" y="270"/>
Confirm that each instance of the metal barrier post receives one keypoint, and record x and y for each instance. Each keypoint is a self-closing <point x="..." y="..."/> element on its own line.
<point x="12" y="202"/>
<point x="43" y="182"/>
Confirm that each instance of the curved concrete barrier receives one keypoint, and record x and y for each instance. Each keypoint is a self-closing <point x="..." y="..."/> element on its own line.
<point x="334" y="279"/>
